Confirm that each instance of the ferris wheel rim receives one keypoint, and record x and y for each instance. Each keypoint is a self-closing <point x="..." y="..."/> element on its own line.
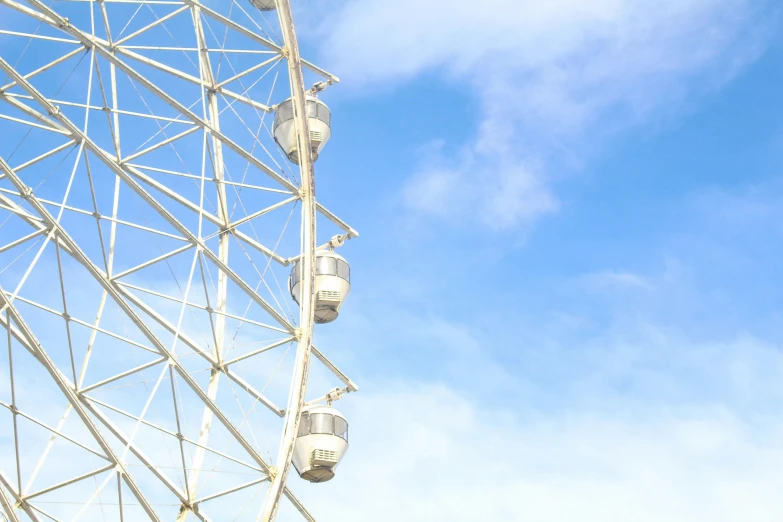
<point x="308" y="237"/>
<point x="307" y="258"/>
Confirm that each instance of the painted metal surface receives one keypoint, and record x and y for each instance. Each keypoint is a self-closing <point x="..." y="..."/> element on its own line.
<point x="42" y="112"/>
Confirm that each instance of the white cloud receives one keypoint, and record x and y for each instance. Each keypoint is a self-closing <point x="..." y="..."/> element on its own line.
<point x="501" y="187"/>
<point x="428" y="453"/>
<point x="550" y="79"/>
<point x="753" y="208"/>
<point x="613" y="280"/>
<point x="632" y="420"/>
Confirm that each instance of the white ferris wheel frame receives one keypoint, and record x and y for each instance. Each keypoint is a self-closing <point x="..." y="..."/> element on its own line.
<point x="47" y="225"/>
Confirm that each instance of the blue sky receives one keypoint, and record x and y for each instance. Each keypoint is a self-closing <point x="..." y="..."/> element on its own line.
<point x="665" y="217"/>
<point x="565" y="298"/>
<point x="619" y="318"/>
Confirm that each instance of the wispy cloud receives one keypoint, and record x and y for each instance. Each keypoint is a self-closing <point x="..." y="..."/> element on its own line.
<point x="635" y="421"/>
<point x="551" y="79"/>
<point x="438" y="456"/>
<point x="613" y="280"/>
<point x="490" y="182"/>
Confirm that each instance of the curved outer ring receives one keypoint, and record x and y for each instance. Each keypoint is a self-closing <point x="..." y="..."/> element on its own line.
<point x="307" y="306"/>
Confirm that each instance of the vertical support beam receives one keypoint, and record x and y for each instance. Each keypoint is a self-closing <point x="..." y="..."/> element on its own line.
<point x="212" y="116"/>
<point x="307" y="300"/>
<point x="119" y="496"/>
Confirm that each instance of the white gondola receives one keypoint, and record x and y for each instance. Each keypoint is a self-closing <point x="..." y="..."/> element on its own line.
<point x="332" y="284"/>
<point x="321" y="444"/>
<point x="319" y="119"/>
<point x="264" y="5"/>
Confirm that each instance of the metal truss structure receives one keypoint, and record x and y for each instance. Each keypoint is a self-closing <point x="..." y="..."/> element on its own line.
<point x="156" y="367"/>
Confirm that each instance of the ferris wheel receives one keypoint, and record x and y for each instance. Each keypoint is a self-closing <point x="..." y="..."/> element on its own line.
<point x="164" y="262"/>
